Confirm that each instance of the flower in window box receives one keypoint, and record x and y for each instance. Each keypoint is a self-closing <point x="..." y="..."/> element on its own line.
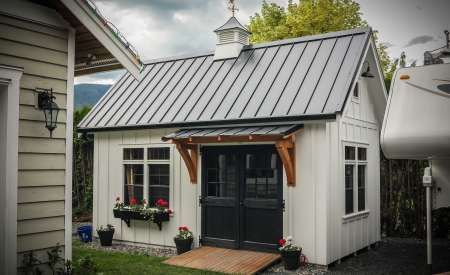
<point x="162" y="203"/>
<point x="170" y="212"/>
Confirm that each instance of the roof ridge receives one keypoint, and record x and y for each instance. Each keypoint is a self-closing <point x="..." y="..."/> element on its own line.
<point x="268" y="44"/>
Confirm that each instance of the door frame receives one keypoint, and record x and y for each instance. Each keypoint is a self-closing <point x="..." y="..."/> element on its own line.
<point x="10" y="82"/>
<point x="238" y="243"/>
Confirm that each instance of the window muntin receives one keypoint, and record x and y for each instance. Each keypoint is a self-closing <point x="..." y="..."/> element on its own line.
<point x="134" y="182"/>
<point x="146" y="174"/>
<point x="355" y="178"/>
<point x="133" y="153"/>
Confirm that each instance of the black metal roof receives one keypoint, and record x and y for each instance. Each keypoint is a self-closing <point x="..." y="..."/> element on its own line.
<point x="281" y="81"/>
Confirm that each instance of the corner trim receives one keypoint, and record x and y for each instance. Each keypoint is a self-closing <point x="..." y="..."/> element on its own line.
<point x="69" y="145"/>
<point x="9" y="252"/>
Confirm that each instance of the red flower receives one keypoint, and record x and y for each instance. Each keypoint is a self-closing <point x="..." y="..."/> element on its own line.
<point x="183" y="228"/>
<point x="170" y="211"/>
<point x="133" y="201"/>
<point x="162" y="203"/>
<point x="282" y="242"/>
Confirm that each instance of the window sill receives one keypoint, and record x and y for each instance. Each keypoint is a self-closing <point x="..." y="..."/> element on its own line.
<point x="355" y="216"/>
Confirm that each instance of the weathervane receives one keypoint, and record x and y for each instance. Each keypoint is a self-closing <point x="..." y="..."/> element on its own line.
<point x="232" y="6"/>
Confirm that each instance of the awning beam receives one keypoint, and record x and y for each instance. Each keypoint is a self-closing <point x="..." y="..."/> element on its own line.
<point x="188" y="149"/>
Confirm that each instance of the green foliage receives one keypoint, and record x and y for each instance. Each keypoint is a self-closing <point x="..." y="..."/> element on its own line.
<point x="83" y="148"/>
<point x="308" y="17"/>
<point x="86" y="266"/>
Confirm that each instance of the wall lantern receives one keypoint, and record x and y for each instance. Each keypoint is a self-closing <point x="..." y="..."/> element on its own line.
<point x="49" y="107"/>
<point x="367" y="73"/>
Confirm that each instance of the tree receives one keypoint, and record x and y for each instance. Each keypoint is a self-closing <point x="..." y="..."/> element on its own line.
<point x="308" y="17"/>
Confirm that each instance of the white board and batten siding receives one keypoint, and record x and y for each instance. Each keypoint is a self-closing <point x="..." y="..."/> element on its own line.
<point x="357" y="126"/>
<point x="42" y="51"/>
<point x="109" y="183"/>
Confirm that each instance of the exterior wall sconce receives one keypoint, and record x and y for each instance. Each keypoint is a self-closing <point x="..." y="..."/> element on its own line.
<point x="49" y="107"/>
<point x="367" y="73"/>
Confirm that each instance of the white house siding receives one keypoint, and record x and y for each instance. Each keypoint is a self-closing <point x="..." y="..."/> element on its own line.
<point x="306" y="204"/>
<point x="357" y="125"/>
<point x="42" y="52"/>
<point x="108" y="184"/>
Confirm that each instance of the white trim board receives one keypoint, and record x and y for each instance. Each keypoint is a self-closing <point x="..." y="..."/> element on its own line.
<point x="69" y="145"/>
<point x="11" y="146"/>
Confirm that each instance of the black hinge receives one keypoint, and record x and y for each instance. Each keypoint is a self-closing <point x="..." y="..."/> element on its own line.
<point x="200" y="200"/>
<point x="200" y="241"/>
<point x="283" y="205"/>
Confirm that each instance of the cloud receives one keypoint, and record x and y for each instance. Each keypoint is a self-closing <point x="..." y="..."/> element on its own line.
<point x="421" y="39"/>
<point x="100" y="78"/>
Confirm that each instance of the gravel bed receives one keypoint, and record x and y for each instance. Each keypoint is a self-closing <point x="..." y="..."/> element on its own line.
<point x="308" y="269"/>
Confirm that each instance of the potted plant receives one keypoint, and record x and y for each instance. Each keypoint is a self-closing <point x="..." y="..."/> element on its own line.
<point x="290" y="253"/>
<point x="106" y="235"/>
<point x="183" y="240"/>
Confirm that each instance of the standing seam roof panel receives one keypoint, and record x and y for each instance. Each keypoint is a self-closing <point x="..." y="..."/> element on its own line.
<point x="178" y="103"/>
<point x="131" y="100"/>
<point x="287" y="79"/>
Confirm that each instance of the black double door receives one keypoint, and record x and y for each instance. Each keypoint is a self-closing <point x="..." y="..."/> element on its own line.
<point x="242" y="201"/>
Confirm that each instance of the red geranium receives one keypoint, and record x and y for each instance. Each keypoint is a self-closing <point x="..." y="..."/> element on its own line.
<point x="162" y="203"/>
<point x="133" y="201"/>
<point x="282" y="242"/>
<point x="183" y="228"/>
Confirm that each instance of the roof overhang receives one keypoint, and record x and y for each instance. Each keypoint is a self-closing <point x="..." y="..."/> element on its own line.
<point x="99" y="46"/>
<point x="265" y="121"/>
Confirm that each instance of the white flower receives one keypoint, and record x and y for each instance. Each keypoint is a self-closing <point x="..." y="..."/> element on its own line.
<point x="289" y="238"/>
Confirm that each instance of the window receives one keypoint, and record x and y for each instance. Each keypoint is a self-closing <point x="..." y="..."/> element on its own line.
<point x="355" y="178"/>
<point x="134" y="182"/>
<point x="152" y="183"/>
<point x="356" y="91"/>
<point x="158" y="182"/>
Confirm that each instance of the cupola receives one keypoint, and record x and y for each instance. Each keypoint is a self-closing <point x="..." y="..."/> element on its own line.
<point x="231" y="38"/>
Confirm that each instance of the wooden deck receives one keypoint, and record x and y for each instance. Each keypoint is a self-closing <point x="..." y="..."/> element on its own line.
<point x="224" y="260"/>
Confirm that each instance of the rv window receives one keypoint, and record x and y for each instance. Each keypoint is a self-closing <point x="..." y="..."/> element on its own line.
<point x="356" y="91"/>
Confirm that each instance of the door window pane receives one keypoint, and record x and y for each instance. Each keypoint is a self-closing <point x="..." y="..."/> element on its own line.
<point x="261" y="175"/>
<point x="349" y="172"/>
<point x="159" y="182"/>
<point x="133" y="153"/>
<point x="134" y="182"/>
<point x="361" y="187"/>
<point x="221" y="175"/>
<point x="158" y="153"/>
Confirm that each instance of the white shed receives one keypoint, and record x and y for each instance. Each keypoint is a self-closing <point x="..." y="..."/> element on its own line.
<point x="282" y="139"/>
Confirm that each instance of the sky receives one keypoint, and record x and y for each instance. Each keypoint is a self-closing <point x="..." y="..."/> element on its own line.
<point x="161" y="28"/>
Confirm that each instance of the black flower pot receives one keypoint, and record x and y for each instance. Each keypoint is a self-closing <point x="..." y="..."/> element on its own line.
<point x="183" y="245"/>
<point x="117" y="213"/>
<point x="105" y="237"/>
<point x="291" y="259"/>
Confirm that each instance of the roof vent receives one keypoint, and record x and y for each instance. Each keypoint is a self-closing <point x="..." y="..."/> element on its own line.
<point x="231" y="38"/>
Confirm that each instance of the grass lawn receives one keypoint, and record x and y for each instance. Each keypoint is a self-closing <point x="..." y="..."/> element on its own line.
<point x="127" y="263"/>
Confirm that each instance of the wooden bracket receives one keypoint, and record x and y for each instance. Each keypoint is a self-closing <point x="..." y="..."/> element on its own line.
<point x="189" y="153"/>
<point x="286" y="150"/>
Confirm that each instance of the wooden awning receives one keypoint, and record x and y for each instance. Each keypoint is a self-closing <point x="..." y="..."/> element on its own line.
<point x="187" y="141"/>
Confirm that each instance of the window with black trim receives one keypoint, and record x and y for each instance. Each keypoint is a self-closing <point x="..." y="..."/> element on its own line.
<point x="355" y="178"/>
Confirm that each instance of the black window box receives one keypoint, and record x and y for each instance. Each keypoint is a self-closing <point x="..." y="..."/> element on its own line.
<point x="128" y="215"/>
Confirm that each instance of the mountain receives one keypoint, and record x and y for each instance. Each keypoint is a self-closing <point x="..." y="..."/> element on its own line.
<point x="89" y="94"/>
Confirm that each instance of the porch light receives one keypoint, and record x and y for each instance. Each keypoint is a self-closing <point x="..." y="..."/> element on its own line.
<point x="49" y="107"/>
<point x="367" y="73"/>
